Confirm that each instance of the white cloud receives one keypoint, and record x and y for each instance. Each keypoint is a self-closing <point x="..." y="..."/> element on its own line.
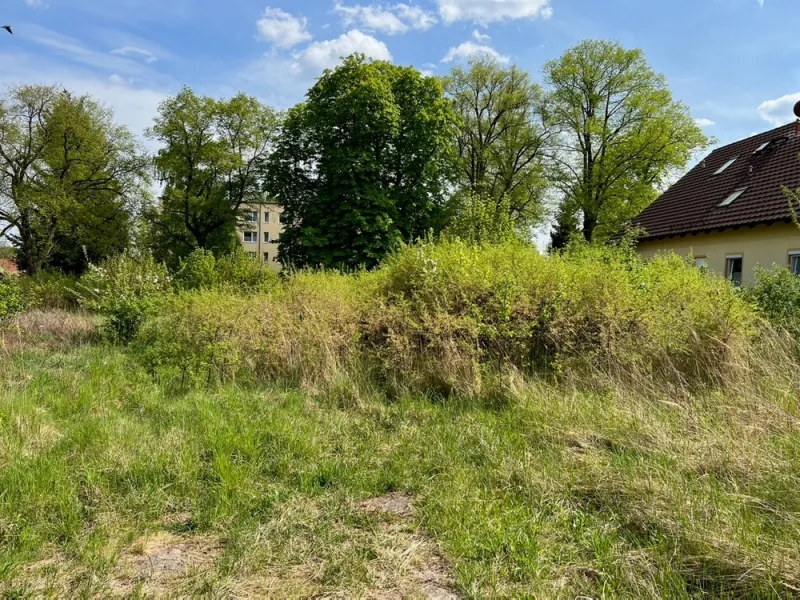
<point x="326" y="54"/>
<point x="468" y="49"/>
<point x="704" y="122"/>
<point x="391" y="20"/>
<point x="282" y="29"/>
<point x="35" y="3"/>
<point x="416" y="17"/>
<point x="487" y="11"/>
<point x="481" y="37"/>
<point x="133" y="51"/>
<point x="779" y="111"/>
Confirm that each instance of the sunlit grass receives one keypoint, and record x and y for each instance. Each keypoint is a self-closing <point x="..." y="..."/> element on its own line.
<point x="556" y="493"/>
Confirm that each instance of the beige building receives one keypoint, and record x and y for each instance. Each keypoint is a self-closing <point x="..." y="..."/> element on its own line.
<point x="261" y="232"/>
<point x="731" y="212"/>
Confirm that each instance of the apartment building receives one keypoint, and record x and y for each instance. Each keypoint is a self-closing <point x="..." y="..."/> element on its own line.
<point x="261" y="232"/>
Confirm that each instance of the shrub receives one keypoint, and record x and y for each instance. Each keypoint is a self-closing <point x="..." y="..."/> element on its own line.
<point x="50" y="290"/>
<point x="247" y="275"/>
<point x="197" y="271"/>
<point x="11" y="298"/>
<point x="198" y="337"/>
<point x="776" y="294"/>
<point x="125" y="289"/>
<point x="236" y="271"/>
<point x="304" y="333"/>
<point x="455" y="318"/>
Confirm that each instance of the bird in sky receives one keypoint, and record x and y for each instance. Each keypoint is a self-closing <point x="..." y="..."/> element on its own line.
<point x="8" y="28"/>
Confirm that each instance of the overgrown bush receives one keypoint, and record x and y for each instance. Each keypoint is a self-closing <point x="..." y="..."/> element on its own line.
<point x="125" y="289"/>
<point x="11" y="299"/>
<point x="237" y="271"/>
<point x="50" y="290"/>
<point x="457" y="318"/>
<point x="776" y="293"/>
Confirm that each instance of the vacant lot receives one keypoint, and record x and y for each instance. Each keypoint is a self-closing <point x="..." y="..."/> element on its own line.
<point x="111" y="485"/>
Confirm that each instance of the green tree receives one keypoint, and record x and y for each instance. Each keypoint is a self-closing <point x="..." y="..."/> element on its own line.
<point x="501" y="138"/>
<point x="210" y="164"/>
<point x="362" y="164"/>
<point x="63" y="161"/>
<point x="565" y="228"/>
<point x="619" y="134"/>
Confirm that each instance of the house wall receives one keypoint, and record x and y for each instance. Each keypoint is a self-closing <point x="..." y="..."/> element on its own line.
<point x="267" y="252"/>
<point x="762" y="245"/>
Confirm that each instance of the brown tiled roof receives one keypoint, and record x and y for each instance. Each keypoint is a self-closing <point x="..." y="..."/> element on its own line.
<point x="8" y="266"/>
<point x="693" y="203"/>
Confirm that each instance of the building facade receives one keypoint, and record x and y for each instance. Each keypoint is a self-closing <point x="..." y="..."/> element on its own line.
<point x="260" y="232"/>
<point x="732" y="212"/>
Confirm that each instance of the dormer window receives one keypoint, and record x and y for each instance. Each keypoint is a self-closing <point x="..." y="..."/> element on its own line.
<point x="726" y="165"/>
<point x="732" y="198"/>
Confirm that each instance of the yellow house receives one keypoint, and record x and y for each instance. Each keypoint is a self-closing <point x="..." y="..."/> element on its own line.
<point x="260" y="232"/>
<point x="731" y="211"/>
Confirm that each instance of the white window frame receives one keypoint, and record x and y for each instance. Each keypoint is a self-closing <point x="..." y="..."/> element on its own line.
<point x="253" y="237"/>
<point x="266" y="237"/>
<point x="266" y="257"/>
<point x="794" y="254"/>
<point x="726" y="165"/>
<point x="735" y="195"/>
<point x="728" y="272"/>
<point x="266" y="216"/>
<point x="251" y="216"/>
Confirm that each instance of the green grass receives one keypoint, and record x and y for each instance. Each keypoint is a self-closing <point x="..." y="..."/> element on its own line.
<point x="556" y="493"/>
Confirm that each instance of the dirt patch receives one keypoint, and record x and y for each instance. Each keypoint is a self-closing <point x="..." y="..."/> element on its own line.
<point x="396" y="503"/>
<point x="163" y="564"/>
<point x="409" y="563"/>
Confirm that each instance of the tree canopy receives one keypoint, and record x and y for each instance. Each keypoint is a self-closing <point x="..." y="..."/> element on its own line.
<point x="501" y="139"/>
<point x="618" y="133"/>
<point x="363" y="163"/>
<point x="69" y="176"/>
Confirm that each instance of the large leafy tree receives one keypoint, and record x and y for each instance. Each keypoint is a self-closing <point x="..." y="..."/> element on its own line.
<point x="501" y="138"/>
<point x="362" y="164"/>
<point x="211" y="163"/>
<point x="63" y="162"/>
<point x="620" y="133"/>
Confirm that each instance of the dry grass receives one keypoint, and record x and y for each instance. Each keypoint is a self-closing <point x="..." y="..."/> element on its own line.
<point x="52" y="329"/>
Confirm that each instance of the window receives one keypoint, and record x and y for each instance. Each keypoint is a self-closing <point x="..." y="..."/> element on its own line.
<point x="280" y="218"/>
<point x="794" y="262"/>
<point x="266" y="217"/>
<point x="762" y="147"/>
<point x="733" y="268"/>
<point x="266" y="257"/>
<point x="732" y="198"/>
<point x="266" y="237"/>
<point x="726" y="165"/>
<point x="252" y="254"/>
<point x="701" y="262"/>
<point x="251" y="216"/>
<point x="250" y="237"/>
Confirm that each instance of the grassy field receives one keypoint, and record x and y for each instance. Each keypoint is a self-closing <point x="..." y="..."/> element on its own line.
<point x="112" y="485"/>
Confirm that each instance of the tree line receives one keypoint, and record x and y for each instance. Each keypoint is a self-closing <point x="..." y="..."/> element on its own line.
<point x="375" y="155"/>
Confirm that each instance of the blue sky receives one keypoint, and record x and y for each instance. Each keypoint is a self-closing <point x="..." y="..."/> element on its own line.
<point x="736" y="63"/>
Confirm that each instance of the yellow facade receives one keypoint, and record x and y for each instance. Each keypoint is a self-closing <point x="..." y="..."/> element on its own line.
<point x="261" y="231"/>
<point x="762" y="245"/>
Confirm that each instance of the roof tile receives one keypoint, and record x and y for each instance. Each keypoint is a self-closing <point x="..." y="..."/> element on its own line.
<point x="693" y="203"/>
